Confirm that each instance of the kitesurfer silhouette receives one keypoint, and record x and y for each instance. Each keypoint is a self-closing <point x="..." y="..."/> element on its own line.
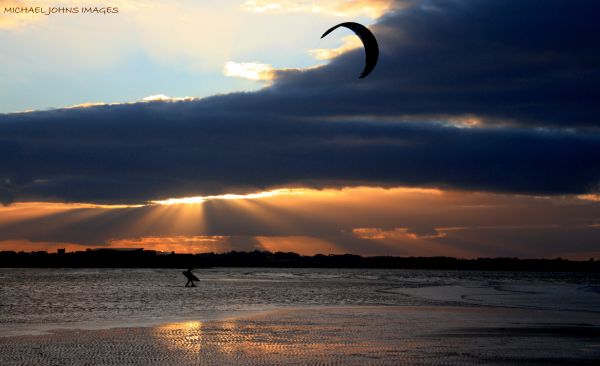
<point x="190" y="278"/>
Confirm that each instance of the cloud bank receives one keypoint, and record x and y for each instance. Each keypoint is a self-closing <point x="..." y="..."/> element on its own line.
<point x="525" y="74"/>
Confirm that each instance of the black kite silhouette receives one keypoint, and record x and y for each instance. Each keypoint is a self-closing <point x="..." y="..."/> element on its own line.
<point x="369" y="43"/>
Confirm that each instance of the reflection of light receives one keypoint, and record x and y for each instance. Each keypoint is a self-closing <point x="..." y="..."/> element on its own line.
<point x="186" y="336"/>
<point x="310" y="336"/>
<point x="200" y="199"/>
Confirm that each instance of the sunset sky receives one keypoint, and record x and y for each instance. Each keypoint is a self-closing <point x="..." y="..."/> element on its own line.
<point x="200" y="126"/>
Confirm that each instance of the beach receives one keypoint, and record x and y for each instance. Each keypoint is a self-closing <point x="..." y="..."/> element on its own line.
<point x="386" y="318"/>
<point x="328" y="336"/>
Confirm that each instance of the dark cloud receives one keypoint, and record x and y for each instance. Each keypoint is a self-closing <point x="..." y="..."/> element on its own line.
<point x="531" y="63"/>
<point x="135" y="153"/>
<point x="520" y="62"/>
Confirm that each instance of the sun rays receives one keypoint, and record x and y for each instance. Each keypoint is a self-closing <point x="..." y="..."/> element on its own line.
<point x="363" y="220"/>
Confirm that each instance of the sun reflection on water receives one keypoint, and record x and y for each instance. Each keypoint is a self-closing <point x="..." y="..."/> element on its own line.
<point x="185" y="336"/>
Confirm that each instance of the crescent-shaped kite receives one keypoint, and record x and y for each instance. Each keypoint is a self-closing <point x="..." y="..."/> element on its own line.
<point x="369" y="43"/>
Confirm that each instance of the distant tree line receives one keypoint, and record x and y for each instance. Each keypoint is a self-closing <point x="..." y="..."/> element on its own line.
<point x="139" y="258"/>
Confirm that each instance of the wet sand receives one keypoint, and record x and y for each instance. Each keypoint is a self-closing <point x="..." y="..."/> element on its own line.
<point x="358" y="335"/>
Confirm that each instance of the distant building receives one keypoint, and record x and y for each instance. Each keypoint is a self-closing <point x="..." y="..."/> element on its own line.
<point x="60" y="251"/>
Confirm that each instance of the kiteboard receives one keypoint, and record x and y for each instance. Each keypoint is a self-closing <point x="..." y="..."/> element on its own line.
<point x="190" y="276"/>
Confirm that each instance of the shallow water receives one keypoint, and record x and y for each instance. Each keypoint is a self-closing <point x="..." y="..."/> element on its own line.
<point x="355" y="336"/>
<point x="38" y="299"/>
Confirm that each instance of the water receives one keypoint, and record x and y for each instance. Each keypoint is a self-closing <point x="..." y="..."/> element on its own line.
<point x="40" y="299"/>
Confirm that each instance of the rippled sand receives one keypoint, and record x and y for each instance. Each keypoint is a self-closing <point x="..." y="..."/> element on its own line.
<point x="375" y="335"/>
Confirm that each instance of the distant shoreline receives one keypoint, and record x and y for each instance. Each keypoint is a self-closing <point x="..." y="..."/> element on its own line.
<point x="140" y="258"/>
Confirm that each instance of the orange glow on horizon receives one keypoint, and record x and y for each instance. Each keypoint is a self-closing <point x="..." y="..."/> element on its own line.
<point x="229" y="196"/>
<point x="299" y="244"/>
<point x="177" y="244"/>
<point x="30" y="246"/>
<point x="359" y="220"/>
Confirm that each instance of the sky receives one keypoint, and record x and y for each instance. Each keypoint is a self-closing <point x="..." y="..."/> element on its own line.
<point x="196" y="126"/>
<point x="177" y="48"/>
